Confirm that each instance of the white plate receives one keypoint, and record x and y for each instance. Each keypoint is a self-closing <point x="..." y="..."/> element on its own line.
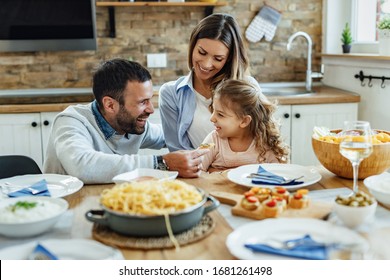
<point x="379" y="187"/>
<point x="379" y="182"/>
<point x="140" y="172"/>
<point x="284" y="229"/>
<point x="58" y="185"/>
<point x="311" y="175"/>
<point x="64" y="249"/>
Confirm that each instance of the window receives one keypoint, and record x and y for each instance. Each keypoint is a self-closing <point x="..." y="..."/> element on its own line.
<point x="363" y="16"/>
<point x="363" y="20"/>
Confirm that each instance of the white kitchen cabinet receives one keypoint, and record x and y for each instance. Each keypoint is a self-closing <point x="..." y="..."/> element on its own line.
<point x="46" y="124"/>
<point x="298" y="121"/>
<point x="26" y="134"/>
<point x="283" y="114"/>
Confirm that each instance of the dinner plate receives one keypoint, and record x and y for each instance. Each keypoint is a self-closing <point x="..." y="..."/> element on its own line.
<point x="380" y="182"/>
<point x="310" y="174"/>
<point x="58" y="185"/>
<point x="379" y="187"/>
<point x="286" y="229"/>
<point x="145" y="172"/>
<point x="64" y="249"/>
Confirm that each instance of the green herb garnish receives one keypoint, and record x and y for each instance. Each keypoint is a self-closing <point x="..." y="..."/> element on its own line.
<point x="23" y="204"/>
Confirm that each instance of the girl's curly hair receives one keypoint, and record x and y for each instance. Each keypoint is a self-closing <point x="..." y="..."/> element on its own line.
<point x="244" y="98"/>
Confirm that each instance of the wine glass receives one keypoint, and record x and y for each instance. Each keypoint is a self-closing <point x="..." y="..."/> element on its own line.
<point x="356" y="145"/>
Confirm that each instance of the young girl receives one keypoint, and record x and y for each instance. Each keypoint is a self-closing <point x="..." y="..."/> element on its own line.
<point x="245" y="130"/>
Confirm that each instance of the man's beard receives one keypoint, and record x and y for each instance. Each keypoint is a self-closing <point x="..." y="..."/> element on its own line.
<point x="128" y="123"/>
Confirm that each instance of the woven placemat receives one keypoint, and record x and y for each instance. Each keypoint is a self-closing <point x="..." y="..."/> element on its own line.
<point x="105" y="235"/>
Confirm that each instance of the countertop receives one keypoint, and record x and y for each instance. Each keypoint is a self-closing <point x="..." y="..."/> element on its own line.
<point x="55" y="100"/>
<point x="321" y="95"/>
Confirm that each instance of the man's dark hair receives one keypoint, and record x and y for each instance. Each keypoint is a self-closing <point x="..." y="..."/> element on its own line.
<point x="111" y="77"/>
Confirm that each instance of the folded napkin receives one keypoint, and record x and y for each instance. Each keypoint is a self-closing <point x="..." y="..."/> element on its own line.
<point x="268" y="178"/>
<point x="41" y="253"/>
<point x="40" y="186"/>
<point x="304" y="248"/>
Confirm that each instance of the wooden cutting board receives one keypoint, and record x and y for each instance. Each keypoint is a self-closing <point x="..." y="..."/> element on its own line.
<point x="316" y="209"/>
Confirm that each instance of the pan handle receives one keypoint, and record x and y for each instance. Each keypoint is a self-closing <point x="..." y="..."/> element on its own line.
<point x="92" y="215"/>
<point x="214" y="204"/>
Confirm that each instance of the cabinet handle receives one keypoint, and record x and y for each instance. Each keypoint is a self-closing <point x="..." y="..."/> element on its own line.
<point x="46" y="123"/>
<point x="297" y="115"/>
<point x="286" y="115"/>
<point x="34" y="124"/>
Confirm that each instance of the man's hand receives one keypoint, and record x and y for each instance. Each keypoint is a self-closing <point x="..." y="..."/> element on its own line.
<point x="187" y="163"/>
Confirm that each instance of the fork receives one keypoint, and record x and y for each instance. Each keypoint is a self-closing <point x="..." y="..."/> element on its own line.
<point x="269" y="177"/>
<point x="307" y="242"/>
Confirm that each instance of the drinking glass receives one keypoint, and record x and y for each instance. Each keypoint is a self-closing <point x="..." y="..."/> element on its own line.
<point x="356" y="145"/>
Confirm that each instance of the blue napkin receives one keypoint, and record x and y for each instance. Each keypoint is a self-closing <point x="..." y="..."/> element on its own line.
<point x="269" y="178"/>
<point x="40" y="186"/>
<point x="41" y="253"/>
<point x="308" y="249"/>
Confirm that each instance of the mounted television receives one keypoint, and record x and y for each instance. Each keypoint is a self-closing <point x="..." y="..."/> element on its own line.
<point x="47" y="25"/>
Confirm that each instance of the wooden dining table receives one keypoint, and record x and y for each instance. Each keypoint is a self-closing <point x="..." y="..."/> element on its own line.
<point x="212" y="247"/>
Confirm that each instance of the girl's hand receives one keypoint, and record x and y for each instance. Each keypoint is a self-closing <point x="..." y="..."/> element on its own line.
<point x="187" y="163"/>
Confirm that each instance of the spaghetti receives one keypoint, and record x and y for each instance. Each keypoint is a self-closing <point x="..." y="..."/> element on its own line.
<point x="151" y="197"/>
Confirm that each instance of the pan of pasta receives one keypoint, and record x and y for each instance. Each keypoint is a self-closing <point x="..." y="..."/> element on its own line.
<point x="152" y="208"/>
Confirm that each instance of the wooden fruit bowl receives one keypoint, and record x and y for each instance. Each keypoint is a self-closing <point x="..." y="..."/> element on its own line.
<point x="329" y="156"/>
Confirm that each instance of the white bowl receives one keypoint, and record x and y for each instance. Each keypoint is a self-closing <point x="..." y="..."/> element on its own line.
<point x="379" y="187"/>
<point x="145" y="172"/>
<point x="30" y="222"/>
<point x="353" y="217"/>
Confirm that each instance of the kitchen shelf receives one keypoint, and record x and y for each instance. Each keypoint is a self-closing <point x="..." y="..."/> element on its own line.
<point x="208" y="8"/>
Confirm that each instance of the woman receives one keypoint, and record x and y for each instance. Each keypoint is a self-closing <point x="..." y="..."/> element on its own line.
<point x="216" y="53"/>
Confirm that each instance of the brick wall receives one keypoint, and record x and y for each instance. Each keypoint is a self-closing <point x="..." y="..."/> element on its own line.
<point x="142" y="30"/>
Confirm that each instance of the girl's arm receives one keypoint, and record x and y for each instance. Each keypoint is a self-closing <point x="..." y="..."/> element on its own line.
<point x="209" y="158"/>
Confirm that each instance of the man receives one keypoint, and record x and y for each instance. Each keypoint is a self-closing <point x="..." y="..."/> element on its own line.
<point x="100" y="140"/>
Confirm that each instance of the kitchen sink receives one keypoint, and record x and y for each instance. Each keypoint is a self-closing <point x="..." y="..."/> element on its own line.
<point x="284" y="89"/>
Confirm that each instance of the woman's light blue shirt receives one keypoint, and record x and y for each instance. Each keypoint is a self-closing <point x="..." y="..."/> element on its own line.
<point x="177" y="106"/>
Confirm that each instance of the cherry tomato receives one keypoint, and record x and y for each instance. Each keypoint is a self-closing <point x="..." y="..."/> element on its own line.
<point x="271" y="203"/>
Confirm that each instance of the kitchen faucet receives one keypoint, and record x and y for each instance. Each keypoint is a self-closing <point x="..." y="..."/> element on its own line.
<point x="309" y="47"/>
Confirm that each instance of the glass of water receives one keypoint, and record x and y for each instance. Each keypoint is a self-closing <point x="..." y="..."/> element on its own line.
<point x="356" y="145"/>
